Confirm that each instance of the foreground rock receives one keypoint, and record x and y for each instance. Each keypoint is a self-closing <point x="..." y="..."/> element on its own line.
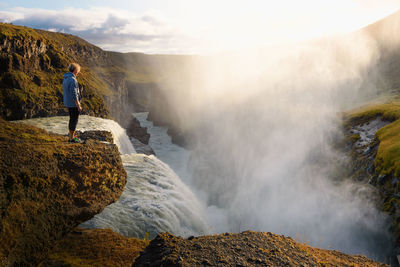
<point x="49" y="186"/>
<point x="244" y="249"/>
<point x="95" y="247"/>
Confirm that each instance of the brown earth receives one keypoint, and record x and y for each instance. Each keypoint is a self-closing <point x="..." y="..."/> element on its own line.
<point x="48" y="187"/>
<point x="95" y="247"/>
<point x="244" y="249"/>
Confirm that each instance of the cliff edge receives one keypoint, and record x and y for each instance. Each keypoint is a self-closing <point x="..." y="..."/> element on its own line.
<point x="48" y="187"/>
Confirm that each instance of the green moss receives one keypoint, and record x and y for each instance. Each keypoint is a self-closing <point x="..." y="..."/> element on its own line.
<point x="389" y="110"/>
<point x="21" y="78"/>
<point x="12" y="31"/>
<point x="388" y="157"/>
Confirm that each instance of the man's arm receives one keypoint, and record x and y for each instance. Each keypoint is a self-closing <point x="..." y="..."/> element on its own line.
<point x="76" y="95"/>
<point x="78" y="105"/>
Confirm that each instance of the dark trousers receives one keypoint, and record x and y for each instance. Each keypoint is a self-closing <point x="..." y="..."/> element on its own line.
<point x="73" y="118"/>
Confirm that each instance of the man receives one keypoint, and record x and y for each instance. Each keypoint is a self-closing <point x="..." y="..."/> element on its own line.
<point x="72" y="99"/>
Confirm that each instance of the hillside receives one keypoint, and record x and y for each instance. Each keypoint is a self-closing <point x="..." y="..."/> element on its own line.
<point x="32" y="67"/>
<point x="32" y="64"/>
<point x="386" y="70"/>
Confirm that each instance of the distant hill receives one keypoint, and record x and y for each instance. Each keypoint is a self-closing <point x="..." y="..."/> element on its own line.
<point x="386" y="32"/>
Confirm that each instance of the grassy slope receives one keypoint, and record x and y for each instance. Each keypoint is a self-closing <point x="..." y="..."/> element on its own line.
<point x="30" y="79"/>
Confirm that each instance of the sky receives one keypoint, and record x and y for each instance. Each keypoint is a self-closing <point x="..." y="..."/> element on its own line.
<point x="194" y="26"/>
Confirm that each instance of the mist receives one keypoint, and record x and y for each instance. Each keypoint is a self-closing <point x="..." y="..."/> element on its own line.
<point x="260" y="126"/>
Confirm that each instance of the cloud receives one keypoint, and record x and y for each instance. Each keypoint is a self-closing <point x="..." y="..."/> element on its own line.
<point x="8" y="17"/>
<point x="111" y="29"/>
<point x="202" y="26"/>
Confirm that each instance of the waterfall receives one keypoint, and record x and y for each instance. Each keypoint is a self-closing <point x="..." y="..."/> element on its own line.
<point x="154" y="199"/>
<point x="175" y="156"/>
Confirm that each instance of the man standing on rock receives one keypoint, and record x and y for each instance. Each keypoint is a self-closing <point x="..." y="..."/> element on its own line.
<point x="72" y="99"/>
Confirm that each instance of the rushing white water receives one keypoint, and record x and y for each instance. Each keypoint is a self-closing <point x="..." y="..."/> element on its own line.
<point x="175" y="156"/>
<point x="86" y="123"/>
<point x="179" y="159"/>
<point x="154" y="199"/>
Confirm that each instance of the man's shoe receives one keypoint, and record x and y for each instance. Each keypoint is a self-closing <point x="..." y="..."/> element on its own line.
<point x="75" y="140"/>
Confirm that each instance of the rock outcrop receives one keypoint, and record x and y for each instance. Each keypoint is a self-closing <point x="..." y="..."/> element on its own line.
<point x="138" y="132"/>
<point x="48" y="187"/>
<point x="244" y="249"/>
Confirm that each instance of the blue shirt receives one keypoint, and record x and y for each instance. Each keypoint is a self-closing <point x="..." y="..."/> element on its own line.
<point x="70" y="90"/>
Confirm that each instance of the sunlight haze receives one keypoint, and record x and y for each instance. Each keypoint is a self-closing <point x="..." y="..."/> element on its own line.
<point x="190" y="27"/>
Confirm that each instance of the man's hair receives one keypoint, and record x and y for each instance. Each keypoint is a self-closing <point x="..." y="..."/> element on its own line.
<point x="74" y="66"/>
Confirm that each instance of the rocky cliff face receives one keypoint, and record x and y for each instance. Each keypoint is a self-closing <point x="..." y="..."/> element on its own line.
<point x="31" y="71"/>
<point x="49" y="186"/>
<point x="32" y="64"/>
<point x="373" y="145"/>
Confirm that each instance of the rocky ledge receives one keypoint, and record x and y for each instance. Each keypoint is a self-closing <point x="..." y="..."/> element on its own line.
<point x="244" y="249"/>
<point x="48" y="187"/>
